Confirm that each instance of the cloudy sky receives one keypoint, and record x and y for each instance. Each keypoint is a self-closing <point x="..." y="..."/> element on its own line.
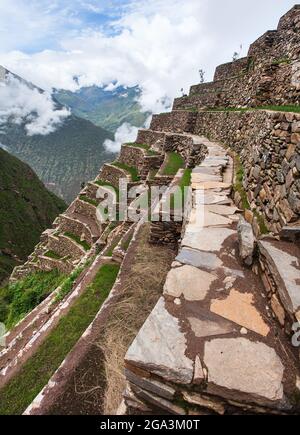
<point x="159" y="45"/>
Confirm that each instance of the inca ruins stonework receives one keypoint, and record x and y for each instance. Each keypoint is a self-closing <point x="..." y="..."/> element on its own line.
<point x="217" y="337"/>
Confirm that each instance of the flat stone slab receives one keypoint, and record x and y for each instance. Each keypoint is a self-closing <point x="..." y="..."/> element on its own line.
<point x="244" y="366"/>
<point x="209" y="328"/>
<point x="188" y="281"/>
<point x="200" y="259"/>
<point x="285" y="268"/>
<point x="200" y="178"/>
<point x="238" y="307"/>
<point x="206" y="185"/>
<point x="223" y="210"/>
<point x="160" y="347"/>
<point x="206" y="219"/>
<point x="211" y="198"/>
<point x="209" y="171"/>
<point x="209" y="239"/>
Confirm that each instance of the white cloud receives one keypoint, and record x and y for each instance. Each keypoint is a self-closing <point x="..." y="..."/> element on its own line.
<point x="158" y="45"/>
<point x="125" y="133"/>
<point x="22" y="104"/>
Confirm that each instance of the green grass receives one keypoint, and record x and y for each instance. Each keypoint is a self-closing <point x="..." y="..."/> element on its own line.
<point x="52" y="254"/>
<point x="144" y="147"/>
<point x="67" y="285"/>
<point x="174" y="163"/>
<point x="113" y="245"/>
<point x="76" y="239"/>
<point x="18" y="299"/>
<point x="130" y="169"/>
<point x="283" y="60"/>
<point x="185" y="181"/>
<point x="293" y="109"/>
<point x="109" y="186"/>
<point x="17" y="395"/>
<point x="88" y="200"/>
<point x="238" y="186"/>
<point x="126" y="242"/>
<point x="261" y="222"/>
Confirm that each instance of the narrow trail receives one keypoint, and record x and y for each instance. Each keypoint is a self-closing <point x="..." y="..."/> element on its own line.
<point x="211" y="337"/>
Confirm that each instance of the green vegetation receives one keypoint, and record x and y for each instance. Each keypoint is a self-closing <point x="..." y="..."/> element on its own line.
<point x="113" y="245"/>
<point x="88" y="200"/>
<point x="77" y="239"/>
<point x="293" y="109"/>
<point x="238" y="186"/>
<point x="283" y="60"/>
<point x="110" y="186"/>
<point x="174" y="163"/>
<point x="261" y="222"/>
<point x="27" y="208"/>
<point x="69" y="156"/>
<point x="52" y="254"/>
<point x="143" y="147"/>
<point x="126" y="242"/>
<point x="107" y="109"/>
<point x="185" y="181"/>
<point x="130" y="169"/>
<point x="17" y="300"/>
<point x="36" y="372"/>
<point x="68" y="283"/>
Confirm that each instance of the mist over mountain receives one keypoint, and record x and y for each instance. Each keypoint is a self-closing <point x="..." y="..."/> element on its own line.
<point x="62" y="148"/>
<point x="108" y="107"/>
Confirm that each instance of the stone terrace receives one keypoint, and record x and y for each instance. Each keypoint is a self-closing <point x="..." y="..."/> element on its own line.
<point x="210" y="345"/>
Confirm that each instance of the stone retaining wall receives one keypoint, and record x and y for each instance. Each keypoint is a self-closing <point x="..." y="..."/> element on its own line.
<point x="64" y="246"/>
<point x="47" y="264"/>
<point x="175" y="122"/>
<point x="269" y="146"/>
<point x="132" y="156"/>
<point x="76" y="227"/>
<point x="111" y="174"/>
<point x="269" y="75"/>
<point x="154" y="139"/>
<point x="85" y="208"/>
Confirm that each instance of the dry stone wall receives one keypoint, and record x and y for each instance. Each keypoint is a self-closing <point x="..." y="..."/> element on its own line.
<point x="269" y="75"/>
<point x="111" y="174"/>
<point x="269" y="146"/>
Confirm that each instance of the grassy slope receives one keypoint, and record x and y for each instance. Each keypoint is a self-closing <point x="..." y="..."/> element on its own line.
<point x="17" y="300"/>
<point x="27" y="208"/>
<point x="19" y="393"/>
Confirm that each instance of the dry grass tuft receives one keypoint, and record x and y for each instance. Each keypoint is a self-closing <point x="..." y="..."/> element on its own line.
<point x="142" y="287"/>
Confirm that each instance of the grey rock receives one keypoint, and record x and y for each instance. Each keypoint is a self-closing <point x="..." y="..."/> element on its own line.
<point x="160" y="347"/>
<point x="244" y="366"/>
<point x="246" y="241"/>
<point x="285" y="269"/>
<point x="208" y="239"/>
<point x="151" y="385"/>
<point x="193" y="257"/>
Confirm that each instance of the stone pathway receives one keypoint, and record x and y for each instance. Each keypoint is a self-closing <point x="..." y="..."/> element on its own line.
<point x="211" y="340"/>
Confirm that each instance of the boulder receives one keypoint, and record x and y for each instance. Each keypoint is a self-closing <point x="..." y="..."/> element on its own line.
<point x="246" y="241"/>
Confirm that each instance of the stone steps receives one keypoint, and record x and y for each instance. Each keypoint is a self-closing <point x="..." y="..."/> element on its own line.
<point x="211" y="342"/>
